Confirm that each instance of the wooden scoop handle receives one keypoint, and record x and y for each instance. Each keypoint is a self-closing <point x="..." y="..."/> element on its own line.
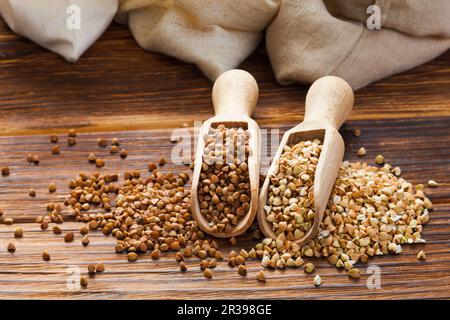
<point x="329" y="100"/>
<point x="235" y="93"/>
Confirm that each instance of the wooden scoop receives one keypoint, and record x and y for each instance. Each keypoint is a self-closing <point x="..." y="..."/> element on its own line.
<point x="328" y="103"/>
<point x="234" y="96"/>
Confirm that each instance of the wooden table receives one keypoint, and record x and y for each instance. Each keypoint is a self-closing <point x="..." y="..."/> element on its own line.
<point x="119" y="90"/>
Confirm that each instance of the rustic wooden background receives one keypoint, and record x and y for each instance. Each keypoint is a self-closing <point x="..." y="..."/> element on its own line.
<point x="118" y="90"/>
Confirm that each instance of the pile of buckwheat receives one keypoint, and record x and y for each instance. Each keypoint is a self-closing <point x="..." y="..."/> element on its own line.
<point x="151" y="214"/>
<point x="290" y="200"/>
<point x="370" y="212"/>
<point x="224" y="184"/>
<point x="142" y="214"/>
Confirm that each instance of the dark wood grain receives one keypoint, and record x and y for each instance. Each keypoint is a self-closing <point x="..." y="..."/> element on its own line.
<point x="119" y="90"/>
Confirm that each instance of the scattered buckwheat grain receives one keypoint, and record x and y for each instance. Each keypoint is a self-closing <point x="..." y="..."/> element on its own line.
<point x="115" y="142"/>
<point x="11" y="247"/>
<point x="69" y="237"/>
<point x="123" y="153"/>
<point x="379" y="159"/>
<point x="432" y="183"/>
<point x="91" y="268"/>
<point x="208" y="273"/>
<point x="83" y="281"/>
<point x="317" y="280"/>
<point x="71" y="141"/>
<point x="204" y="264"/>
<point x="354" y="273"/>
<point x="56" y="150"/>
<point x="72" y="133"/>
<point x="179" y="256"/>
<point x="85" y="241"/>
<point x="260" y="276"/>
<point x="362" y="152"/>
<point x="92" y="158"/>
<point x="421" y="255"/>
<point x="35" y="159"/>
<point x="84" y="230"/>
<point x="309" y="267"/>
<point x="155" y="254"/>
<point x="18" y="233"/>
<point x="99" y="163"/>
<point x="114" y="149"/>
<point x="54" y="138"/>
<point x="51" y="187"/>
<point x="242" y="270"/>
<point x="45" y="256"/>
<point x="397" y="171"/>
<point x="132" y="256"/>
<point x="102" y="143"/>
<point x="100" y="267"/>
<point x="5" y="171"/>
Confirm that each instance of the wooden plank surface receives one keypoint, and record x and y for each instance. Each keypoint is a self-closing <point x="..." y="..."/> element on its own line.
<point x="118" y="90"/>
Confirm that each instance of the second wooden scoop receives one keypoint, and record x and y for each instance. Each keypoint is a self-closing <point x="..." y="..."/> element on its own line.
<point x="329" y="101"/>
<point x="234" y="95"/>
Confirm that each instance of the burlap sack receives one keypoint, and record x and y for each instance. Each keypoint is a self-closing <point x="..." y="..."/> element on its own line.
<point x="305" y="39"/>
<point x="216" y="35"/>
<point x="45" y="22"/>
<point x="312" y="38"/>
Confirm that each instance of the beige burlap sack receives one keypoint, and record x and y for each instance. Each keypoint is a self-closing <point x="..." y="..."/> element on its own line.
<point x="305" y="39"/>
<point x="216" y="35"/>
<point x="54" y="25"/>
<point x="312" y="38"/>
